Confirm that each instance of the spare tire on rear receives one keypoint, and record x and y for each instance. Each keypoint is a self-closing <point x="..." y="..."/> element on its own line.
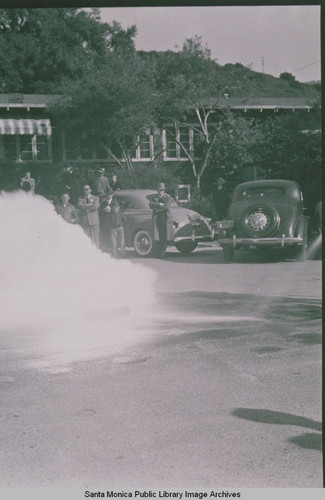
<point x="259" y="221"/>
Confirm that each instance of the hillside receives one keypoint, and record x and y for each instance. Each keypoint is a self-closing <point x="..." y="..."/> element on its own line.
<point x="241" y="81"/>
<point x="254" y="84"/>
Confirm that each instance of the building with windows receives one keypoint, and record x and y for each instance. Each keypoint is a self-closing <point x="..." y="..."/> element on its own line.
<point x="28" y="132"/>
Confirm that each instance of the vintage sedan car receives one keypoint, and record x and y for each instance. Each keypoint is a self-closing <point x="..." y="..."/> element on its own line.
<point x="266" y="214"/>
<point x="189" y="226"/>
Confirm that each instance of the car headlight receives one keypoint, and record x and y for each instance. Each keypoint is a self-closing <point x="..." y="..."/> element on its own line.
<point x="194" y="217"/>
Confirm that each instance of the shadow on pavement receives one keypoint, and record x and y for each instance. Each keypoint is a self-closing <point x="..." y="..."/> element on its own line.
<point x="307" y="338"/>
<point x="275" y="417"/>
<point x="308" y="440"/>
<point x="211" y="254"/>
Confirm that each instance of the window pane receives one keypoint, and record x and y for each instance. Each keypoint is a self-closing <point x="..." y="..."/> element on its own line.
<point x="116" y="150"/>
<point x="86" y="150"/>
<point x="198" y="144"/>
<point x="9" y="146"/>
<point x="42" y="147"/>
<point x="101" y="154"/>
<point x="71" y="149"/>
<point x="171" y="146"/>
<point x="26" y="150"/>
<point x="184" y="138"/>
<point x="145" y="146"/>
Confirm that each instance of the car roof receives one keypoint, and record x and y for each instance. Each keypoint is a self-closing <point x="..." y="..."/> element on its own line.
<point x="268" y="182"/>
<point x="291" y="188"/>
<point x="135" y="192"/>
<point x="139" y="197"/>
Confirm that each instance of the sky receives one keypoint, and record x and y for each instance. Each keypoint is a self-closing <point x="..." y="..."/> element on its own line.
<point x="287" y="37"/>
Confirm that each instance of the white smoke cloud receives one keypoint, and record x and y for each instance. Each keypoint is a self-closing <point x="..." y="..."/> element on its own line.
<point x="55" y="282"/>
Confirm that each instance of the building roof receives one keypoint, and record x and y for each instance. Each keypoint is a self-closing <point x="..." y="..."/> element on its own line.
<point x="246" y="103"/>
<point x="262" y="102"/>
<point x="25" y="100"/>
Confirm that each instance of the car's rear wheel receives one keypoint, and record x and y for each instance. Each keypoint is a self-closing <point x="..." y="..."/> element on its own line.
<point x="186" y="247"/>
<point x="143" y="243"/>
<point x="228" y="253"/>
<point x="259" y="221"/>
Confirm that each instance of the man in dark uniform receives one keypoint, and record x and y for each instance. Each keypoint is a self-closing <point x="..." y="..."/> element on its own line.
<point x="163" y="229"/>
<point x="103" y="185"/>
<point x="115" y="185"/>
<point x="220" y="199"/>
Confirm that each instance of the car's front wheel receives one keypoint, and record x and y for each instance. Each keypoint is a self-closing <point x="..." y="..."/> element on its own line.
<point x="186" y="247"/>
<point x="143" y="243"/>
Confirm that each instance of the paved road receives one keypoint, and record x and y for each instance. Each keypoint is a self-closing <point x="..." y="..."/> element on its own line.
<point x="219" y="387"/>
<point x="251" y="273"/>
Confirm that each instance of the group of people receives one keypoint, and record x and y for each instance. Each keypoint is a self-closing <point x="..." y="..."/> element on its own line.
<point x="102" y="220"/>
<point x="99" y="214"/>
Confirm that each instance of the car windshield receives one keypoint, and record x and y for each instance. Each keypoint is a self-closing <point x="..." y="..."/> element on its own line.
<point x="138" y="201"/>
<point x="126" y="202"/>
<point x="263" y="192"/>
<point x="153" y="196"/>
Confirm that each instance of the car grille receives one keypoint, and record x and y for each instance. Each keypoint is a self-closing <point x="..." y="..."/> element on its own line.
<point x="199" y="227"/>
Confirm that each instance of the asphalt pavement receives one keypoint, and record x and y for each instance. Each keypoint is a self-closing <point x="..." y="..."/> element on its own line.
<point x="218" y="385"/>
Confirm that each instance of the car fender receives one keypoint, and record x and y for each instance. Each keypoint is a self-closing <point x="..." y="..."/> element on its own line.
<point x="301" y="230"/>
<point x="146" y="225"/>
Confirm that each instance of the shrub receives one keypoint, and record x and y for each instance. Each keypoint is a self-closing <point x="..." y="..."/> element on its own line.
<point x="203" y="205"/>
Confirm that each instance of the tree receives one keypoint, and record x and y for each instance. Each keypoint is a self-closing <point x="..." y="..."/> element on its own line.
<point x="287" y="76"/>
<point x="188" y="90"/>
<point x="41" y="48"/>
<point x="109" y="106"/>
<point x="291" y="149"/>
<point x="237" y="149"/>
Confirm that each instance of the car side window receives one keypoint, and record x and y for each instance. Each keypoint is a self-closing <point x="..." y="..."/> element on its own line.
<point x="125" y="203"/>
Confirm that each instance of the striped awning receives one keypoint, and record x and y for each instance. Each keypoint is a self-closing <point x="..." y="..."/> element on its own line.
<point x="25" y="126"/>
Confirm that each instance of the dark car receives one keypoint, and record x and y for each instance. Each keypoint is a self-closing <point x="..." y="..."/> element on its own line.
<point x="189" y="226"/>
<point x="266" y="214"/>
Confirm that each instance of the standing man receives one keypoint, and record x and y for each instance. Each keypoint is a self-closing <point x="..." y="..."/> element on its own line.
<point x="104" y="222"/>
<point x="103" y="186"/>
<point x="220" y="199"/>
<point x="28" y="180"/>
<point x="115" y="185"/>
<point x="88" y="206"/>
<point x="116" y="230"/>
<point x="163" y="230"/>
<point x="66" y="210"/>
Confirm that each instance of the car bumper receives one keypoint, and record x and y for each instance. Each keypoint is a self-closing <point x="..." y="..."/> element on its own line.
<point x="259" y="242"/>
<point x="195" y="237"/>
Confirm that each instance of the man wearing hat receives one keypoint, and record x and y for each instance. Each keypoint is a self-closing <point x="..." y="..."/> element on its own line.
<point x="163" y="230"/>
<point x="103" y="185"/>
<point x="88" y="206"/>
<point x="220" y="198"/>
<point x="104" y="220"/>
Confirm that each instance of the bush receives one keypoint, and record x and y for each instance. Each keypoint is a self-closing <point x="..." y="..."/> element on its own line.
<point x="148" y="177"/>
<point x="202" y="205"/>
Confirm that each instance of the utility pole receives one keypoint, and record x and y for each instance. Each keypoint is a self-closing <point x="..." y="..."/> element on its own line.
<point x="262" y="62"/>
